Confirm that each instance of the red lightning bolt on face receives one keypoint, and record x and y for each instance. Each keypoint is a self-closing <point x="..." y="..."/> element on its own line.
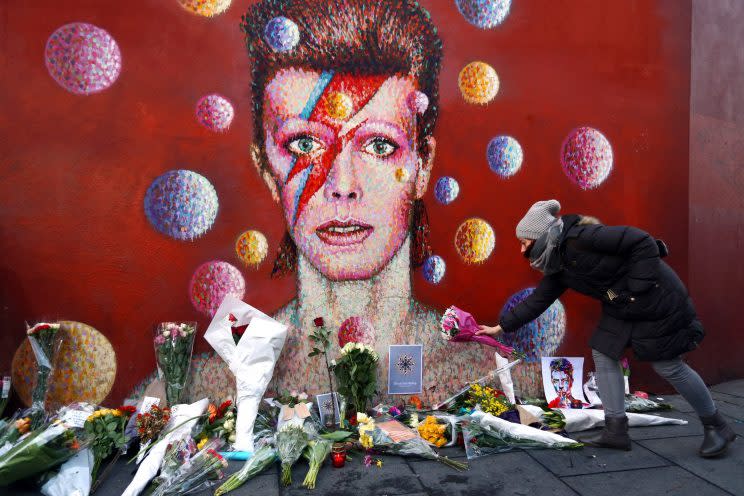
<point x="355" y="91"/>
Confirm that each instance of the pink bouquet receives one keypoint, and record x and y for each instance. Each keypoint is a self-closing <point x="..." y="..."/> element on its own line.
<point x="458" y="325"/>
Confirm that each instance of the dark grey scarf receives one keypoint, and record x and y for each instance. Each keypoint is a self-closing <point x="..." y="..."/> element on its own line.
<point x="544" y="253"/>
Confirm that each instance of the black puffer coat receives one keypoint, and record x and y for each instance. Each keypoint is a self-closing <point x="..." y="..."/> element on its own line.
<point x="644" y="303"/>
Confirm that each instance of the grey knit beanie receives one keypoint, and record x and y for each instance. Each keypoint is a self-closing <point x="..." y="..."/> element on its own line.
<point x="538" y="219"/>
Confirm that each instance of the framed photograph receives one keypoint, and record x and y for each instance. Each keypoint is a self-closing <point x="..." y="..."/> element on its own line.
<point x="325" y="403"/>
<point x="405" y="369"/>
<point x="563" y="381"/>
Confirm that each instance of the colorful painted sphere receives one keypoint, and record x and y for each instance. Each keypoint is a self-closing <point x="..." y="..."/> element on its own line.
<point x="356" y="330"/>
<point x="484" y="14"/>
<point x="504" y="156"/>
<point x="211" y="282"/>
<point x="434" y="269"/>
<point x="181" y="204"/>
<point x="339" y="106"/>
<point x="475" y="240"/>
<point x="82" y="58"/>
<point x="586" y="157"/>
<point x="478" y="83"/>
<point x="446" y="190"/>
<point x="542" y="336"/>
<point x="282" y="34"/>
<point x="252" y="248"/>
<point x="206" y="8"/>
<point x="215" y="112"/>
<point x="84" y="370"/>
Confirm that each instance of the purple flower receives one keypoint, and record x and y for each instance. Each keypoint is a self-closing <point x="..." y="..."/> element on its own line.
<point x="159" y="340"/>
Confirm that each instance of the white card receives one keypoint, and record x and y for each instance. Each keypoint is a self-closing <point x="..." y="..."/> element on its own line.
<point x="147" y="403"/>
<point x="6" y="386"/>
<point x="75" y="418"/>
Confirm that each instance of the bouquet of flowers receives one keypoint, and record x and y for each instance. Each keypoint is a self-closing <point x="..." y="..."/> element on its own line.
<point x="459" y="326"/>
<point x="637" y="404"/>
<point x="173" y="346"/>
<point x="290" y="407"/>
<point x="488" y="400"/>
<point x="486" y="434"/>
<point x="252" y="359"/>
<point x="42" y="450"/>
<point x="149" y="426"/>
<point x="356" y="373"/>
<point x="105" y="427"/>
<point x="45" y="342"/>
<point x="15" y="427"/>
<point x="438" y="430"/>
<point x="196" y="473"/>
<point x="315" y="453"/>
<point x="575" y="420"/>
<point x="261" y="460"/>
<point x="290" y="442"/>
<point x="220" y="423"/>
<point x="391" y="436"/>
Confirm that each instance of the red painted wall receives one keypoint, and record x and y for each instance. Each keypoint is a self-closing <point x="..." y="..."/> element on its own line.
<point x="74" y="237"/>
<point x="717" y="183"/>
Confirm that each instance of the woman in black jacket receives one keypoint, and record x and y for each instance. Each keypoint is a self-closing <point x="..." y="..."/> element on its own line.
<point x="645" y="306"/>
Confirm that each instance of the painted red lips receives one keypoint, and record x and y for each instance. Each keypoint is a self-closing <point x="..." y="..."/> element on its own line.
<point x="344" y="233"/>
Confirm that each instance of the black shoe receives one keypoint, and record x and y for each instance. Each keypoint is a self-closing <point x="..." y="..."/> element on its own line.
<point x="613" y="436"/>
<point x="717" y="436"/>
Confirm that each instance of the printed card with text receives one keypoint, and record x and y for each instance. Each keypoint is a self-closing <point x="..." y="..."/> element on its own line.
<point x="405" y="369"/>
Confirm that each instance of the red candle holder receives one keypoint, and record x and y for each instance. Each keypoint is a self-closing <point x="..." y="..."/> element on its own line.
<point x="338" y="455"/>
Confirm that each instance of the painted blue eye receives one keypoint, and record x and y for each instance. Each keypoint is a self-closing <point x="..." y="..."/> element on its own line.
<point x="304" y="145"/>
<point x="380" y="147"/>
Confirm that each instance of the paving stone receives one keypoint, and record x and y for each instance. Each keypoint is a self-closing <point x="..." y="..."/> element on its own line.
<point x="730" y="409"/>
<point x="501" y="474"/>
<point x="726" y="472"/>
<point x="593" y="460"/>
<point x="394" y="478"/>
<point x="735" y="388"/>
<point x="728" y="398"/>
<point x="660" y="480"/>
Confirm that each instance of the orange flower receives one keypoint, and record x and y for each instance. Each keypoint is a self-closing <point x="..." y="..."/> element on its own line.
<point x="212" y="412"/>
<point x="415" y="401"/>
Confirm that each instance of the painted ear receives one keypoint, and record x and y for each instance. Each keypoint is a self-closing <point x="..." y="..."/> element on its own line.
<point x="264" y="172"/>
<point x="426" y="162"/>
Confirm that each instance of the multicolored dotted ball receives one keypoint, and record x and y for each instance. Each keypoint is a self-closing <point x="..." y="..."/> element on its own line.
<point x="478" y="83"/>
<point x="282" y="34"/>
<point x="82" y="58"/>
<point x="475" y="240"/>
<point x="504" y="155"/>
<point x="484" y="14"/>
<point x="215" y="112"/>
<point x="339" y="106"/>
<point x="252" y="248"/>
<point x="434" y="269"/>
<point x="542" y="336"/>
<point x="586" y="157"/>
<point x="446" y="190"/>
<point x="356" y="330"/>
<point x="211" y="282"/>
<point x="181" y="204"/>
<point x="206" y="8"/>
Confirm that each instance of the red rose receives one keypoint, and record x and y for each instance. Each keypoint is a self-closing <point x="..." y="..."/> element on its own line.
<point x="129" y="410"/>
<point x="232" y="318"/>
<point x="239" y="330"/>
<point x="223" y="407"/>
<point x="318" y="322"/>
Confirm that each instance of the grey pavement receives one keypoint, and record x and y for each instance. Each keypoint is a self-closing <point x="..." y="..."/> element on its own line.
<point x="663" y="460"/>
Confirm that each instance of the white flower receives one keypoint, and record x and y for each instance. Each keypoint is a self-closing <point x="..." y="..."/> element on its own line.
<point x="166" y="334"/>
<point x="229" y="424"/>
<point x="333" y="363"/>
<point x="232" y="438"/>
<point x="302" y="396"/>
<point x="293" y="393"/>
<point x="229" y="414"/>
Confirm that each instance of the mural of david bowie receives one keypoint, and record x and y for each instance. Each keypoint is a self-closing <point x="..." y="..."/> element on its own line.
<point x="343" y="139"/>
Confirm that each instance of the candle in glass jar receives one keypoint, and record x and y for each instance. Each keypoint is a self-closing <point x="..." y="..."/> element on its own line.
<point x="338" y="455"/>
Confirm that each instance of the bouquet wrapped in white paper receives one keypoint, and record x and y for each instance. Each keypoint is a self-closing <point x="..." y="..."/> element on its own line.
<point x="182" y="420"/>
<point x="74" y="477"/>
<point x="575" y="420"/>
<point x="252" y="359"/>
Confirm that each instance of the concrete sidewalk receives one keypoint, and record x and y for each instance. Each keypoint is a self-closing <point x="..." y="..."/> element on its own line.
<point x="663" y="461"/>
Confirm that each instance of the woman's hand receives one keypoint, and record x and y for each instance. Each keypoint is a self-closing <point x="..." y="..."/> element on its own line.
<point x="491" y="331"/>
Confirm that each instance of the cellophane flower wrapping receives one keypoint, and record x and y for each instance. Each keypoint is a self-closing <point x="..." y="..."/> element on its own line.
<point x="262" y="458"/>
<point x="183" y="418"/>
<point x="74" y="477"/>
<point x="315" y="453"/>
<point x="439" y="430"/>
<point x="576" y="420"/>
<point x="291" y="440"/>
<point x="252" y="359"/>
<point x="45" y="340"/>
<point x="393" y="437"/>
<point x="636" y="404"/>
<point x="485" y="435"/>
<point x="197" y="472"/>
<point x="174" y="343"/>
<point x="459" y="326"/>
<point x="42" y="450"/>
